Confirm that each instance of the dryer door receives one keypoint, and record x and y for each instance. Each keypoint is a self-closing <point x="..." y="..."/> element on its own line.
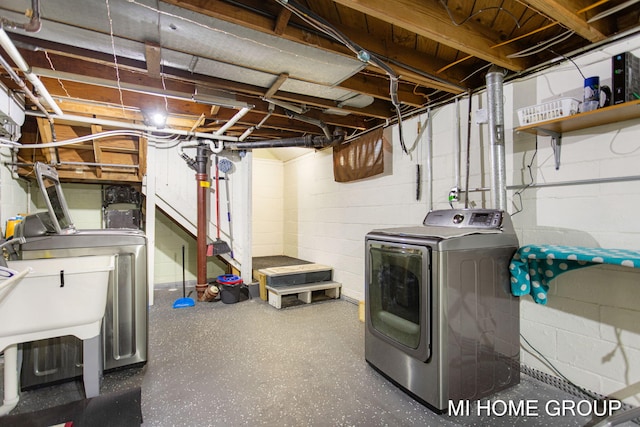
<point x="398" y="296"/>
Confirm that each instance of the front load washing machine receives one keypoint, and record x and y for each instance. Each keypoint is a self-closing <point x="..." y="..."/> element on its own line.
<point x="441" y="322"/>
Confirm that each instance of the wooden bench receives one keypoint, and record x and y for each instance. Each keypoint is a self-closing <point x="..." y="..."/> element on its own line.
<point x="304" y="292"/>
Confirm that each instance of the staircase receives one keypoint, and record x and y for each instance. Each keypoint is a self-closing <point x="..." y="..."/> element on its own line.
<point x="175" y="194"/>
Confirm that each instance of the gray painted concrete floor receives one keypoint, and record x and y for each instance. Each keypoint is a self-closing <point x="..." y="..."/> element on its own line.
<point x="238" y="364"/>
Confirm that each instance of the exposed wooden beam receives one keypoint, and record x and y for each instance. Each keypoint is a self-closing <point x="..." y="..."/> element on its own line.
<point x="46" y="135"/>
<point x="181" y="81"/>
<point x="142" y="158"/>
<point x="282" y="21"/>
<point x="564" y="11"/>
<point x="230" y="13"/>
<point x="276" y="85"/>
<point x="417" y="67"/>
<point x="429" y="19"/>
<point x="152" y="57"/>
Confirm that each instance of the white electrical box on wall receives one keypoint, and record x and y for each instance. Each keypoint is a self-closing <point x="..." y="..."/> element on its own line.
<point x="481" y="116"/>
<point x="11" y="113"/>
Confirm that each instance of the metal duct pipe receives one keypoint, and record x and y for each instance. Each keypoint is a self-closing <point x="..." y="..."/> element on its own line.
<point x="308" y="141"/>
<point x="495" y="80"/>
<point x="202" y="179"/>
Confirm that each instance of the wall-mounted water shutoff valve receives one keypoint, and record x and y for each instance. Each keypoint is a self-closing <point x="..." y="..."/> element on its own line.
<point x="454" y="195"/>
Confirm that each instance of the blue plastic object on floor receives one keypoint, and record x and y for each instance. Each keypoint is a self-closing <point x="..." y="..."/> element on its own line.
<point x="184" y="302"/>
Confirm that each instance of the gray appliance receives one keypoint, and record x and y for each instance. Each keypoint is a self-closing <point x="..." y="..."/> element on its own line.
<point x="441" y="322"/>
<point x="52" y="234"/>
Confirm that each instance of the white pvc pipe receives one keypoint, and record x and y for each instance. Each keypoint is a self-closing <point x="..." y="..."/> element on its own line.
<point x="232" y="121"/>
<point x="11" y="395"/>
<point x="10" y="48"/>
<point x="137" y="126"/>
<point x="11" y="378"/>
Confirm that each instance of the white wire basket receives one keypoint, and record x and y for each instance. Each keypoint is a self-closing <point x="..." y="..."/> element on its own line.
<point x="562" y="107"/>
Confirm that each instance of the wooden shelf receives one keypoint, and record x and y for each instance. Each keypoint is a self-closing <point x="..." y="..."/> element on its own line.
<point x="602" y="116"/>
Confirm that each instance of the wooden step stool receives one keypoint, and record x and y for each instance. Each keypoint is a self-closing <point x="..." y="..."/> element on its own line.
<point x="292" y="275"/>
<point x="304" y="292"/>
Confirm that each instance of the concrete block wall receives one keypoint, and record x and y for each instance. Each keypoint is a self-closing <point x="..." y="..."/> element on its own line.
<point x="589" y="328"/>
<point x="85" y="201"/>
<point x="268" y="207"/>
<point x="14" y="197"/>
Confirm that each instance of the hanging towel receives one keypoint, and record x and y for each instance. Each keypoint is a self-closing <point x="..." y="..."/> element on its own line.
<point x="534" y="266"/>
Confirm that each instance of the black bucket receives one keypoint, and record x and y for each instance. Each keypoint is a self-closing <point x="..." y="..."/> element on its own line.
<point x="229" y="286"/>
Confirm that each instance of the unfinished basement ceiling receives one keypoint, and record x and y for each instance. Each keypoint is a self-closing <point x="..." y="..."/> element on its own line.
<point x="114" y="59"/>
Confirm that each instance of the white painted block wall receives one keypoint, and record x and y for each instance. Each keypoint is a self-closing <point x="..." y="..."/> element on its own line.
<point x="589" y="329"/>
<point x="85" y="201"/>
<point x="14" y="194"/>
<point x="268" y="207"/>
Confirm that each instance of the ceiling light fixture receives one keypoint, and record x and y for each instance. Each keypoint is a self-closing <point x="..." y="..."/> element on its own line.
<point x="157" y="119"/>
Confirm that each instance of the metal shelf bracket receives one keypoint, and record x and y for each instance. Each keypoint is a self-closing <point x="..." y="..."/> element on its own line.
<point x="556" y="143"/>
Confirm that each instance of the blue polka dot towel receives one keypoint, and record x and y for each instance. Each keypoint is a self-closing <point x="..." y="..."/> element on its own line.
<point x="534" y="266"/>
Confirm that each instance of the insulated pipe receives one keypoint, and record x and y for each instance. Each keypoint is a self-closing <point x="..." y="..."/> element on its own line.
<point x="495" y="80"/>
<point x="202" y="179"/>
<point x="10" y="48"/>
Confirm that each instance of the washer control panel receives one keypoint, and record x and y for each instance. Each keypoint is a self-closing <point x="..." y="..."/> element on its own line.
<point x="465" y="218"/>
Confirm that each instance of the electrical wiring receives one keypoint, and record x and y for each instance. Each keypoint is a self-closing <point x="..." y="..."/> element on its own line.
<point x="165" y="141"/>
<point x="46" y="54"/>
<point x="362" y="54"/>
<point x="560" y="374"/>
<point x="475" y="72"/>
<point x="444" y="3"/>
<point x="542" y="46"/>
<point x="4" y="142"/>
<point x="113" y="51"/>
<point x="79" y="139"/>
<point x="570" y="60"/>
<point x="531" y="180"/>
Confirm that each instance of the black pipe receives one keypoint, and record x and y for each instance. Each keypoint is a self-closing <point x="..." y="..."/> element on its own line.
<point x="308" y="141"/>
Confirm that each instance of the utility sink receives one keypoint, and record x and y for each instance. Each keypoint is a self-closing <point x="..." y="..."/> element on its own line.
<point x="61" y="296"/>
<point x="47" y="298"/>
